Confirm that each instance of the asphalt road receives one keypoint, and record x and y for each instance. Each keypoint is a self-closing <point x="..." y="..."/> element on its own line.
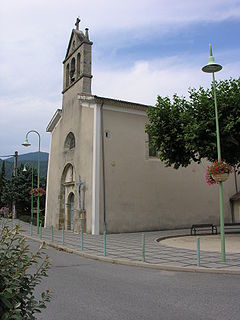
<point x="88" y="290"/>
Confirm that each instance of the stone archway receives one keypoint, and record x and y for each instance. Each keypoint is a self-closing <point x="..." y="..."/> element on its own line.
<point x="67" y="196"/>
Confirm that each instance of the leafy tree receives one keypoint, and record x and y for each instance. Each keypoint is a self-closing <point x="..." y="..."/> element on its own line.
<point x="18" y="189"/>
<point x="184" y="130"/>
<point x="20" y="272"/>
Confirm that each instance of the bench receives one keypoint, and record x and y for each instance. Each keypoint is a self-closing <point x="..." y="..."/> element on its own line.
<point x="232" y="226"/>
<point x="203" y="227"/>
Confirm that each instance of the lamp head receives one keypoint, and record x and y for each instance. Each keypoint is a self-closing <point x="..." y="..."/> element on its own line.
<point x="26" y="143"/>
<point x="24" y="168"/>
<point x="212" y="66"/>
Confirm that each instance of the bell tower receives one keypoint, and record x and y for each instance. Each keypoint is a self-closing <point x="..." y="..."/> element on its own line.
<point x="78" y="61"/>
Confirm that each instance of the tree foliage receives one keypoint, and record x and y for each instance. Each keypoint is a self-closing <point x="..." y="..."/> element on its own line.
<point x="2" y="181"/>
<point x="20" y="272"/>
<point x="18" y="189"/>
<point x="184" y="130"/>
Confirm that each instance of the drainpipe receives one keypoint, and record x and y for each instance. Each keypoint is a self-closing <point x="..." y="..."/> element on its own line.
<point x="103" y="169"/>
<point x="235" y="178"/>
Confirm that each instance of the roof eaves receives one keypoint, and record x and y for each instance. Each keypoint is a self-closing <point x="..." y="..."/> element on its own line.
<point x="120" y="103"/>
<point x="53" y="122"/>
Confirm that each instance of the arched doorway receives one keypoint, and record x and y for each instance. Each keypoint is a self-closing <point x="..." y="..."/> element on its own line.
<point x="70" y="204"/>
<point x="67" y="192"/>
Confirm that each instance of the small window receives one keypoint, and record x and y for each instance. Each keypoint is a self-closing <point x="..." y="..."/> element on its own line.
<point x="107" y="134"/>
<point x="70" y="141"/>
<point x="152" y="152"/>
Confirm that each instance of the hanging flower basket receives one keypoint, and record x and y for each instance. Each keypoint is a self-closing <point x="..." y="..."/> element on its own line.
<point x="221" y="177"/>
<point x="217" y="172"/>
<point x="37" y="192"/>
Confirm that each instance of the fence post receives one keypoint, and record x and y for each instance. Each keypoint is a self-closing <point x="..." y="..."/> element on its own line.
<point x="63" y="235"/>
<point x="51" y="233"/>
<point x="143" y="247"/>
<point x="31" y="231"/>
<point x="40" y="229"/>
<point x="198" y="251"/>
<point x="81" y="238"/>
<point x="104" y="238"/>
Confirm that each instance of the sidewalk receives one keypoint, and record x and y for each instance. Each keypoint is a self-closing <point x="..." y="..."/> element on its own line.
<point x="126" y="248"/>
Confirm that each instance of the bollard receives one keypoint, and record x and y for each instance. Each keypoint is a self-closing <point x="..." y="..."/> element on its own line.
<point x="198" y="251"/>
<point x="81" y="238"/>
<point x="104" y="242"/>
<point x="40" y="229"/>
<point x="52" y="233"/>
<point x="143" y="247"/>
<point x="31" y="229"/>
<point x="63" y="235"/>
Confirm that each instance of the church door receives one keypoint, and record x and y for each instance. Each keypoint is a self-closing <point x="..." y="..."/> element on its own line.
<point x="71" y="204"/>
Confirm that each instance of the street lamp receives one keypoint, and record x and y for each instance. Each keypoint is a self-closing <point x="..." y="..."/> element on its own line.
<point x="212" y="67"/>
<point x="25" y="170"/>
<point x="27" y="144"/>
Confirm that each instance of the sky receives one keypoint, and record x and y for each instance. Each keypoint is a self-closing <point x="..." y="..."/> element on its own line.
<point x="141" y="49"/>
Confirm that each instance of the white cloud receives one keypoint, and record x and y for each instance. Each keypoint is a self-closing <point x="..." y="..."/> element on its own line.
<point x="18" y="116"/>
<point x="145" y="80"/>
<point x="40" y="17"/>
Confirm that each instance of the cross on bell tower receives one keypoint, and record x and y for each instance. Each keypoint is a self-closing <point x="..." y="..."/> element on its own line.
<point x="77" y="23"/>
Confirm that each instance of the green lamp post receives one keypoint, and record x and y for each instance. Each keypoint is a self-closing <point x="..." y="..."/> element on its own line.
<point x="27" y="144"/>
<point x="25" y="170"/>
<point x="213" y="67"/>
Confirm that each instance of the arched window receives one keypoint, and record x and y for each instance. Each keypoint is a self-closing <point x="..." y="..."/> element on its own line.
<point x="72" y="71"/>
<point x="69" y="141"/>
<point x="67" y="75"/>
<point x="78" y="64"/>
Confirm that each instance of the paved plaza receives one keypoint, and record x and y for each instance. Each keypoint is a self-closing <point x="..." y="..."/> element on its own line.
<point x="176" y="250"/>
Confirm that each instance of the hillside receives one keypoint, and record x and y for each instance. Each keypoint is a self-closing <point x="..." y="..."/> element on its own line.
<point x="31" y="157"/>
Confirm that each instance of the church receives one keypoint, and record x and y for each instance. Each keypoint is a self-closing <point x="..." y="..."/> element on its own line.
<point x="102" y="174"/>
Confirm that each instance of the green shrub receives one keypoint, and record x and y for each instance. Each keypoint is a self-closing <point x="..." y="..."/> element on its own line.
<point x="20" y="272"/>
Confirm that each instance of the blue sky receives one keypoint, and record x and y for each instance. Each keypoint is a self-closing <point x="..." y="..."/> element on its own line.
<point x="141" y="49"/>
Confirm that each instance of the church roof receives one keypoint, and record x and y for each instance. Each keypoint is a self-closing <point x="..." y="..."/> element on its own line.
<point x="121" y="103"/>
<point x="107" y="101"/>
<point x="56" y="117"/>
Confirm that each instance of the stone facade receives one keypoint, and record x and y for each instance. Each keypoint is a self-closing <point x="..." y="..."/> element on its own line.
<point x="100" y="172"/>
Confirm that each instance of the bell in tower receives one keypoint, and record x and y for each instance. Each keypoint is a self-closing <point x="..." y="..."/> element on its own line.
<point x="78" y="61"/>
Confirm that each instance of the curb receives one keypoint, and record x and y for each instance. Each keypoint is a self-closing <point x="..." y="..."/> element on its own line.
<point x="136" y="263"/>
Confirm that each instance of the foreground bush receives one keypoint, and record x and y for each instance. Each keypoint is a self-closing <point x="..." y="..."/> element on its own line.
<point x="20" y="272"/>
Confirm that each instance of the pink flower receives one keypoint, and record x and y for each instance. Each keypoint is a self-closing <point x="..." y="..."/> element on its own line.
<point x="208" y="178"/>
<point x="37" y="192"/>
<point x="217" y="167"/>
